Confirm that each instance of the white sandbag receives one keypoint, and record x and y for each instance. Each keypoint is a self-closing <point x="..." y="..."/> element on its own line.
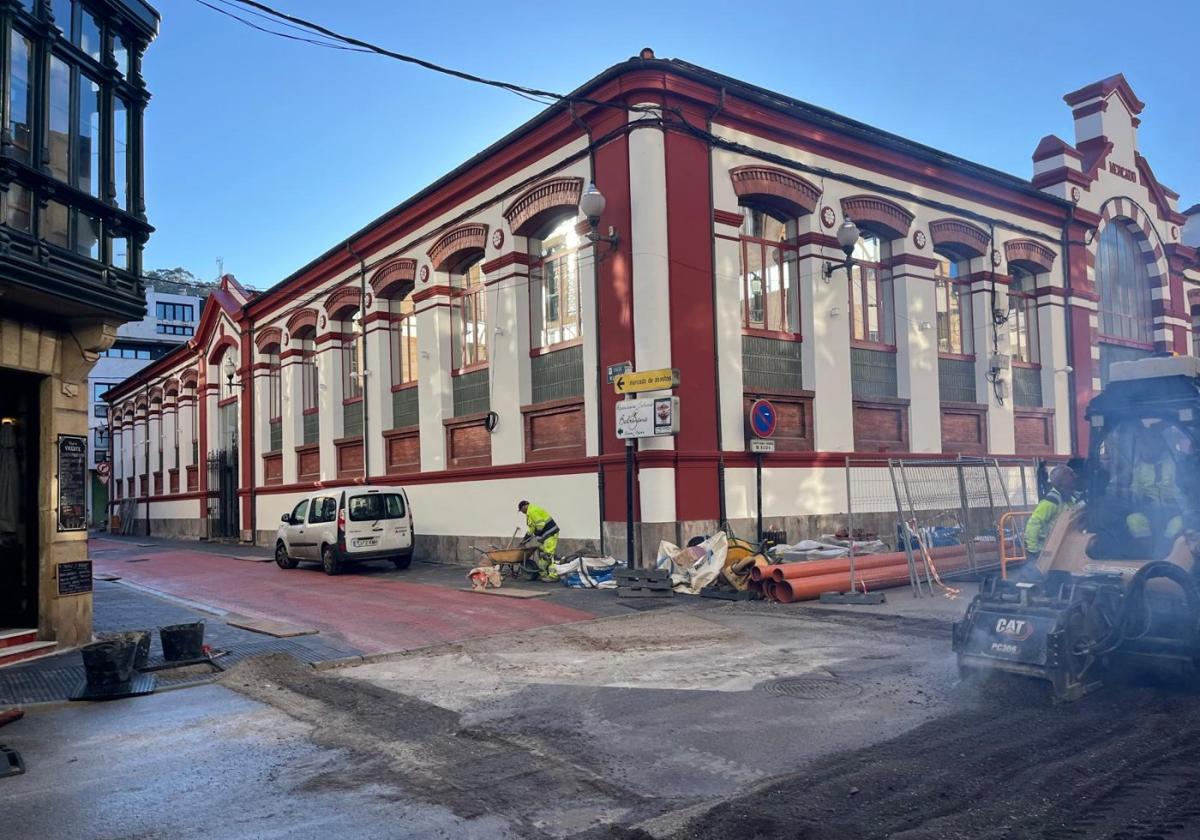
<point x="696" y="566"/>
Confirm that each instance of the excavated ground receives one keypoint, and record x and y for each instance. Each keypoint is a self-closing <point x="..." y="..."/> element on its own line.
<point x="1123" y="764"/>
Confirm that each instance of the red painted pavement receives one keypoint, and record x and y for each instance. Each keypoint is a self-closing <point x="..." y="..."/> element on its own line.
<point x="372" y="614"/>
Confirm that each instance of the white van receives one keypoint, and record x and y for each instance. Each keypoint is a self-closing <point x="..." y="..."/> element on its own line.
<point x="347" y="525"/>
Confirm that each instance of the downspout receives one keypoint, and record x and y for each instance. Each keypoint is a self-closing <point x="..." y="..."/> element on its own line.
<point x="251" y="437"/>
<point x="722" y="512"/>
<point x="600" y="490"/>
<point x="1074" y="409"/>
<point x="362" y="358"/>
<point x="146" y="455"/>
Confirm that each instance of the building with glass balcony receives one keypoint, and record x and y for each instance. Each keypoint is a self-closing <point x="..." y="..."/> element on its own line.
<point x="72" y="228"/>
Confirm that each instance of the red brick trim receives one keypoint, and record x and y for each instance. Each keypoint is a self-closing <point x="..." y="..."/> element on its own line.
<point x="434" y="291"/>
<point x="726" y="217"/>
<point x="267" y="337"/>
<point x="188" y="378"/>
<point x="1057" y="176"/>
<point x="1052" y="146"/>
<point x="395" y="279"/>
<point x="341" y="301"/>
<point x="1030" y="255"/>
<point x="959" y="236"/>
<point x="455" y="245"/>
<point x="928" y="263"/>
<point x="778" y="189"/>
<point x="302" y="319"/>
<point x="879" y="213"/>
<point x="503" y="261"/>
<point x="171" y="387"/>
<point x="538" y="205"/>
<point x="226" y="342"/>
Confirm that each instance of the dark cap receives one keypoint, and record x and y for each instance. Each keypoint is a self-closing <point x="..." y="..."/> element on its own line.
<point x="521" y="504"/>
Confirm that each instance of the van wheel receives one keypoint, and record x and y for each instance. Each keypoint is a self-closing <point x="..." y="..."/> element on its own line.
<point x="330" y="561"/>
<point x="402" y="561"/>
<point x="281" y="557"/>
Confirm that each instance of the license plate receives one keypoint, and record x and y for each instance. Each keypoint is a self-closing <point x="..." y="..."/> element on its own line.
<point x="361" y="541"/>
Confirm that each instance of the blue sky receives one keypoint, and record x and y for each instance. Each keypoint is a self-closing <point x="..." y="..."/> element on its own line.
<point x="265" y="152"/>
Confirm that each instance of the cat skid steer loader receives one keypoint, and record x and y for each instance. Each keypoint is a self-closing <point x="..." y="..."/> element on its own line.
<point x="1117" y="583"/>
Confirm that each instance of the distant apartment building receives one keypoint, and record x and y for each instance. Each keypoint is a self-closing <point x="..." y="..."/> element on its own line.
<point x="172" y="311"/>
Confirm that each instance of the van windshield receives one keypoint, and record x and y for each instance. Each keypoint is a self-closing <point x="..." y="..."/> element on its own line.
<point x="376" y="506"/>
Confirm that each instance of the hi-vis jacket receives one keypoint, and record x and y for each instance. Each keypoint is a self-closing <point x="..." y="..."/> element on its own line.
<point x="1042" y="521"/>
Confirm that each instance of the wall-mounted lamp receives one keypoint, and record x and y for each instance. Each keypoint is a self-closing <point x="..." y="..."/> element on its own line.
<point x="591" y="205"/>
<point x="847" y="237"/>
<point x="1067" y="369"/>
<point x="230" y="373"/>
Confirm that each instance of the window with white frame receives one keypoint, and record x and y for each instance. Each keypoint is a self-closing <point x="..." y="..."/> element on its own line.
<point x="952" y="289"/>
<point x="554" y="285"/>
<point x="470" y="337"/>
<point x="872" y="306"/>
<point x="1022" y="320"/>
<point x="769" y="286"/>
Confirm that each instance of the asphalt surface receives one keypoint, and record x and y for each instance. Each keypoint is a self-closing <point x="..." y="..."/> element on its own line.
<point x="687" y="718"/>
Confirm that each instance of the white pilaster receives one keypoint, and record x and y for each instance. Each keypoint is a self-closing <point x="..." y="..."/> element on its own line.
<point x="329" y="375"/>
<point x="589" y="325"/>
<point x="826" y="351"/>
<point x="1000" y="423"/>
<point x="262" y="431"/>
<point x="292" y="407"/>
<point x="435" y="397"/>
<point x="170" y="425"/>
<point x="377" y="390"/>
<point x="917" y="352"/>
<point x="511" y="386"/>
<point x="1056" y="392"/>
<point x="728" y="266"/>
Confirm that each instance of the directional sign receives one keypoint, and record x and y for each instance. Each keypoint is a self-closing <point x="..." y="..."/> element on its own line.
<point x="646" y="380"/>
<point x="102" y="471"/>
<point x="761" y="447"/>
<point x="763" y="418"/>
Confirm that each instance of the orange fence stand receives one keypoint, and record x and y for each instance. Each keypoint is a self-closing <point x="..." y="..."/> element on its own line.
<point x="1012" y="551"/>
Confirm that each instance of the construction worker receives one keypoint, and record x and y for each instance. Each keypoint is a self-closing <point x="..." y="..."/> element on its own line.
<point x="1153" y="490"/>
<point x="1041" y="521"/>
<point x="544" y="530"/>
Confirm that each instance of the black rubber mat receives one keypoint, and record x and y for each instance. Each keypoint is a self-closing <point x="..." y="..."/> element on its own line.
<point x="139" y="685"/>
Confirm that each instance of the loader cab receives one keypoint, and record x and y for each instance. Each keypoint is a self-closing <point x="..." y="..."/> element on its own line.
<point x="1143" y="481"/>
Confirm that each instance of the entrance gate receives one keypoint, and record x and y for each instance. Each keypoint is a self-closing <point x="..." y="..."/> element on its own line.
<point x="222" y="498"/>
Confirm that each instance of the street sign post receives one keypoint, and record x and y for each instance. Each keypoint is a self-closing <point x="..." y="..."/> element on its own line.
<point x="634" y="382"/>
<point x="763" y="420"/>
<point x="641" y="418"/>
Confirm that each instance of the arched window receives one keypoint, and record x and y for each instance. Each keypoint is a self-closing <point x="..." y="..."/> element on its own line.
<point x="305" y="340"/>
<point x="404" y="339"/>
<point x="770" y="291"/>
<point x="350" y="344"/>
<point x="470" y="336"/>
<point x="1022" y="319"/>
<point x="872" y="306"/>
<point x="953" y="304"/>
<point x="554" y="284"/>
<point x="1123" y="283"/>
<point x="274" y="384"/>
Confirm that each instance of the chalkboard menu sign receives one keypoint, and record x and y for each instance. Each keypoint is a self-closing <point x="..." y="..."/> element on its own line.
<point x="72" y="483"/>
<point x="75" y="578"/>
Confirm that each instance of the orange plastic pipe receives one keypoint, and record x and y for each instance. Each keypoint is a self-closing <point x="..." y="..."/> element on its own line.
<point x="811" y="568"/>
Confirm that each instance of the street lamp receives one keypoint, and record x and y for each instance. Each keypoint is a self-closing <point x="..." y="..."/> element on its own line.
<point x="847" y="237"/>
<point x="230" y="371"/>
<point x="591" y="205"/>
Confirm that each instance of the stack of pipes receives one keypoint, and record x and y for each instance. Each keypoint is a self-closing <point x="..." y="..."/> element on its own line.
<point x="805" y="580"/>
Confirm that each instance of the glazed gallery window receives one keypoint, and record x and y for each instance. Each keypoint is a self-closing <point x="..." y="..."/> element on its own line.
<point x="470" y="338"/>
<point x="770" y="289"/>
<point x="20" y="92"/>
<point x="174" y="311"/>
<point x="74" y="129"/>
<point x="274" y="385"/>
<point x="351" y="382"/>
<point x="309" y="394"/>
<point x="1022" y="317"/>
<point x="404" y="340"/>
<point x="1123" y="283"/>
<point x="953" y="304"/>
<point x="872" y="308"/>
<point x="554" y="286"/>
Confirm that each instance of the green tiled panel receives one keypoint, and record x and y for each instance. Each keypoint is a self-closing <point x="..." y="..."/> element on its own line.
<point x="557" y="375"/>
<point x="405" y="408"/>
<point x="769" y="364"/>
<point x="956" y="380"/>
<point x="471" y="393"/>
<point x="873" y="373"/>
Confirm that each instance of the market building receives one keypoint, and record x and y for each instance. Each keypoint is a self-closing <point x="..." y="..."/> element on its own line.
<point x="172" y="312"/>
<point x="460" y="344"/>
<point x="72" y="227"/>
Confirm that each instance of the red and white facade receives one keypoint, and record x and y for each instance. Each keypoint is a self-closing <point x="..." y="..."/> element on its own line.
<point x="458" y="345"/>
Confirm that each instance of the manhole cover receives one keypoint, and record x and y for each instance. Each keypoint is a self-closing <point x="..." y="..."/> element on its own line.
<point x="811" y="688"/>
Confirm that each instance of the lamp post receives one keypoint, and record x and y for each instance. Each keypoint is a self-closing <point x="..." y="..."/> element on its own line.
<point x="591" y="205"/>
<point x="847" y="237"/>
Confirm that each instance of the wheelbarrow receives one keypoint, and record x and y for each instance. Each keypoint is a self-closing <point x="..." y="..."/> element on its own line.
<point x="515" y="562"/>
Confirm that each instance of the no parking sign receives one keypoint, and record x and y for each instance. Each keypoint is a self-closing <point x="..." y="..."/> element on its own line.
<point x="763" y="418"/>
